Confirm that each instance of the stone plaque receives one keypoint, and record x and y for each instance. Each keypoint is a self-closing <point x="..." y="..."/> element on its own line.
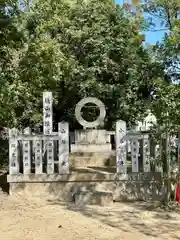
<point x="47" y="113"/>
<point x="134" y="155"/>
<point x="38" y="157"/>
<point x="26" y="153"/>
<point x="13" y="151"/>
<point x="63" y="129"/>
<point x="50" y="156"/>
<point x="146" y="154"/>
<point x="121" y="153"/>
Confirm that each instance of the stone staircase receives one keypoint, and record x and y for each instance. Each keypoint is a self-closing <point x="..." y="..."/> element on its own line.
<point x="92" y="180"/>
<point x="94" y="192"/>
<point x="84" y="160"/>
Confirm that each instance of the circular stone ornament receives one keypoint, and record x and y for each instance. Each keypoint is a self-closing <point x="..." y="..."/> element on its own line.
<point x="100" y="118"/>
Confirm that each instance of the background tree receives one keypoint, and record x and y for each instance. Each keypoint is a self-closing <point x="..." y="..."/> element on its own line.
<point x="10" y="43"/>
<point x="88" y="48"/>
<point x="164" y="15"/>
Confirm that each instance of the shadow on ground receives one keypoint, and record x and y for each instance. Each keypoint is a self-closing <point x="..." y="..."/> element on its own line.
<point x="4" y="186"/>
<point x="147" y="218"/>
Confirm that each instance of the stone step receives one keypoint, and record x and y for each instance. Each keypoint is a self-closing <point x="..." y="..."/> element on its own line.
<point x="90" y="154"/>
<point x="93" y="197"/>
<point x="91" y="147"/>
<point x="95" y="169"/>
<point x="94" y="160"/>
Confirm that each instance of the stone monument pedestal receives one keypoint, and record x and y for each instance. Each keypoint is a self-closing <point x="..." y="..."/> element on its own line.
<point x="91" y="140"/>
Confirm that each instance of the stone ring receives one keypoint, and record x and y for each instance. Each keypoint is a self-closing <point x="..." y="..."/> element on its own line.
<point x="100" y="118"/>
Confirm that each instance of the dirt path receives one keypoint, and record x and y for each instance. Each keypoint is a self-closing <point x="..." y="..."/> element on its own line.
<point x="32" y="219"/>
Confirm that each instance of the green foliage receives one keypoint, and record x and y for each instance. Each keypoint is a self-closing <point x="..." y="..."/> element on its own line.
<point x="165" y="16"/>
<point x="82" y="49"/>
<point x="166" y="105"/>
<point x="163" y="13"/>
<point x="74" y="49"/>
<point x="10" y="43"/>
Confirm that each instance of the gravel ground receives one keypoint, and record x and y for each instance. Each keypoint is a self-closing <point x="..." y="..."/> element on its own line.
<point x="23" y="218"/>
<point x="37" y="219"/>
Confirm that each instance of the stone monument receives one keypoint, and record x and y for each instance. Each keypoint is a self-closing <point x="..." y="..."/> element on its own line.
<point x="91" y="139"/>
<point x="148" y="122"/>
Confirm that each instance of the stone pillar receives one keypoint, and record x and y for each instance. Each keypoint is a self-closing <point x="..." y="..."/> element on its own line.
<point x="121" y="154"/>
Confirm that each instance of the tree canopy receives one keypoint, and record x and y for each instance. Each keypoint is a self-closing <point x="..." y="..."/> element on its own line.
<point x="165" y="16"/>
<point x="74" y="49"/>
<point x="11" y="40"/>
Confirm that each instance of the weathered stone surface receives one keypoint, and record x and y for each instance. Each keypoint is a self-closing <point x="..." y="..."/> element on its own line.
<point x="92" y="159"/>
<point x="63" y="129"/>
<point x="92" y="136"/>
<point x="121" y="144"/>
<point x="64" y="187"/>
<point x="106" y="147"/>
<point x="93" y="198"/>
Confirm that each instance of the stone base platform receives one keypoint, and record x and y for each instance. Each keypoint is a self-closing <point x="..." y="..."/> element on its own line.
<point x="93" y="198"/>
<point x="145" y="186"/>
<point x="89" y="147"/>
